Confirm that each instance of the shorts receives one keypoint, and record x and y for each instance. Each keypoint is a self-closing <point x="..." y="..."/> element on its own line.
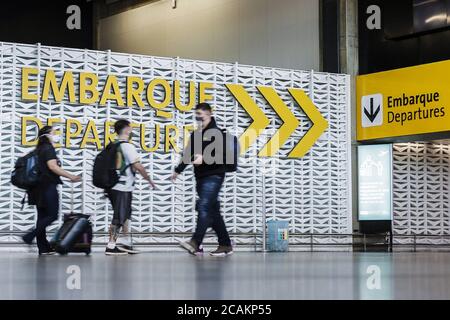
<point x="121" y="203"/>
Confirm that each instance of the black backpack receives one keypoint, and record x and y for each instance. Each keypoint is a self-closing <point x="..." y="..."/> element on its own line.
<point x="105" y="175"/>
<point x="232" y="151"/>
<point x="26" y="173"/>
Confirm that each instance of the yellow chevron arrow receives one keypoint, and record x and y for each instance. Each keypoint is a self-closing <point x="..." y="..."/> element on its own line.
<point x="290" y="122"/>
<point x="260" y="121"/>
<point x="318" y="127"/>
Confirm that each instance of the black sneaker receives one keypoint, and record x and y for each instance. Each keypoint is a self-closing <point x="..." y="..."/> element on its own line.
<point x="115" y="252"/>
<point x="192" y="247"/>
<point x="128" y="249"/>
<point x="222" y="251"/>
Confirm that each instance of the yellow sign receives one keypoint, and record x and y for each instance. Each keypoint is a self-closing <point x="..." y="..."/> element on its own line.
<point x="290" y="122"/>
<point x="85" y="88"/>
<point x="403" y="102"/>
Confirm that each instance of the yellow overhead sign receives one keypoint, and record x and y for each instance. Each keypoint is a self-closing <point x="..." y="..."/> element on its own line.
<point x="402" y="102"/>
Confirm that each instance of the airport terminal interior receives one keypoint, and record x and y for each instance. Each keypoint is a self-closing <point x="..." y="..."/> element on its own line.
<point x="225" y="150"/>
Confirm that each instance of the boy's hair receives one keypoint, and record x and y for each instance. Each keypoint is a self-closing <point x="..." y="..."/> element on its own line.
<point x="120" y="125"/>
<point x="203" y="106"/>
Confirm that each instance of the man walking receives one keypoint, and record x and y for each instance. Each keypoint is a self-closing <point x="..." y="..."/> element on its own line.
<point x="209" y="170"/>
<point x="127" y="163"/>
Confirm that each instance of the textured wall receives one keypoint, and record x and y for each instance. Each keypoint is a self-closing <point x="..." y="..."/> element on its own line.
<point x="312" y="192"/>
<point x="259" y="32"/>
<point x="421" y="189"/>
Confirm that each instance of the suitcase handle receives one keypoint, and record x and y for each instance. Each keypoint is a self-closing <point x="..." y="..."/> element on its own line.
<point x="72" y="199"/>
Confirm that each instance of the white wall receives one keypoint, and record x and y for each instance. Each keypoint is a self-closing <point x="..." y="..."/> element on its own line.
<point x="311" y="192"/>
<point x="421" y="190"/>
<point x="277" y="33"/>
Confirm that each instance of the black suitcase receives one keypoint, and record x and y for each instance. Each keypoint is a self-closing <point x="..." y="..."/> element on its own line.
<point x="75" y="234"/>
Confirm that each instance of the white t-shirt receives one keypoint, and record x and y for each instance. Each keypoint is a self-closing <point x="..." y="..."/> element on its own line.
<point x="126" y="156"/>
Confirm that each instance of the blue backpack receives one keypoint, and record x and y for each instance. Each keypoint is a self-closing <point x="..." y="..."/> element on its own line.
<point x="26" y="172"/>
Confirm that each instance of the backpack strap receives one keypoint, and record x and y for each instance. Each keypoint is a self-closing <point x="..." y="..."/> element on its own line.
<point x="122" y="171"/>
<point x="23" y="201"/>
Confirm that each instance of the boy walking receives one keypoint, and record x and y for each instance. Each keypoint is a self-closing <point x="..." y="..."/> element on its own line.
<point x="128" y="163"/>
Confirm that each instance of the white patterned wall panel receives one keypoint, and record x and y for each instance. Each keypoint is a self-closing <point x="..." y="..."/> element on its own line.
<point x="313" y="192"/>
<point x="421" y="190"/>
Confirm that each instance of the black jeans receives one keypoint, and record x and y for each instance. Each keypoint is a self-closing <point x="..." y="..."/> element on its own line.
<point x="46" y="215"/>
<point x="208" y="208"/>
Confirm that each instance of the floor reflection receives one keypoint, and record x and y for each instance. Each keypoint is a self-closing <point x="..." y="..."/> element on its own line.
<point x="245" y="275"/>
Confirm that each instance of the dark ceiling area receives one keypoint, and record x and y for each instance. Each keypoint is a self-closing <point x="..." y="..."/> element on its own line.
<point x="46" y="22"/>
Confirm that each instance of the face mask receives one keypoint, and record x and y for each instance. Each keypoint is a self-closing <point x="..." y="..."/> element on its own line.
<point x="55" y="138"/>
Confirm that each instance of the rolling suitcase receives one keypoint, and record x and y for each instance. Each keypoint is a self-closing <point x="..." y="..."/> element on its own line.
<point x="75" y="234"/>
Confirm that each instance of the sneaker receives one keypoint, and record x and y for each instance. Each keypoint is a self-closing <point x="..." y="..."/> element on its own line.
<point x="115" y="252"/>
<point x="192" y="247"/>
<point x="127" y="248"/>
<point x="222" y="251"/>
<point x="48" y="253"/>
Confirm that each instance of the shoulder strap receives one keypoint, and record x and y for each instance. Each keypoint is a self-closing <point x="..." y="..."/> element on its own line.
<point x="122" y="171"/>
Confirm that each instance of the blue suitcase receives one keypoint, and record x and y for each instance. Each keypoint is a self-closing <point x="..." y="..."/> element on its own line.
<point x="277" y="235"/>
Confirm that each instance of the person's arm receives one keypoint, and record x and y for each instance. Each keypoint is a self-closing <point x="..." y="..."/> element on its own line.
<point x="137" y="166"/>
<point x="186" y="158"/>
<point x="55" y="168"/>
<point x="132" y="156"/>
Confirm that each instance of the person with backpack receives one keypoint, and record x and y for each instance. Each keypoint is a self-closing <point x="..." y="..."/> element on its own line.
<point x="44" y="195"/>
<point x="209" y="170"/>
<point x="127" y="163"/>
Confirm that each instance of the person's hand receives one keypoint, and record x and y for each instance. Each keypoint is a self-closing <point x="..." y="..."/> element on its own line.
<point x="174" y="176"/>
<point x="74" y="178"/>
<point x="152" y="184"/>
<point x="198" y="159"/>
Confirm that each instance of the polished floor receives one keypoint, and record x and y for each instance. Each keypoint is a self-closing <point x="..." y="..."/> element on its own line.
<point x="245" y="275"/>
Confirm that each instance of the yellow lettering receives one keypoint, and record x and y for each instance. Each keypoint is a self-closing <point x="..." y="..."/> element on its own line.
<point x="187" y="129"/>
<point x="111" y="83"/>
<point x="90" y="128"/>
<point x="27" y="84"/>
<point x="110" y="135"/>
<point x="159" y="105"/>
<point x="51" y="122"/>
<point x="25" y="121"/>
<point x="135" y="94"/>
<point x="203" y="96"/>
<point x="170" y="139"/>
<point x="50" y="83"/>
<point x="156" y="139"/>
<point x="177" y="96"/>
<point x="69" y="134"/>
<point x="90" y="87"/>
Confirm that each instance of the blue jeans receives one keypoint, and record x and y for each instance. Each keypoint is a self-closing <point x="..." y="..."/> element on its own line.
<point x="208" y="208"/>
<point x="46" y="215"/>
